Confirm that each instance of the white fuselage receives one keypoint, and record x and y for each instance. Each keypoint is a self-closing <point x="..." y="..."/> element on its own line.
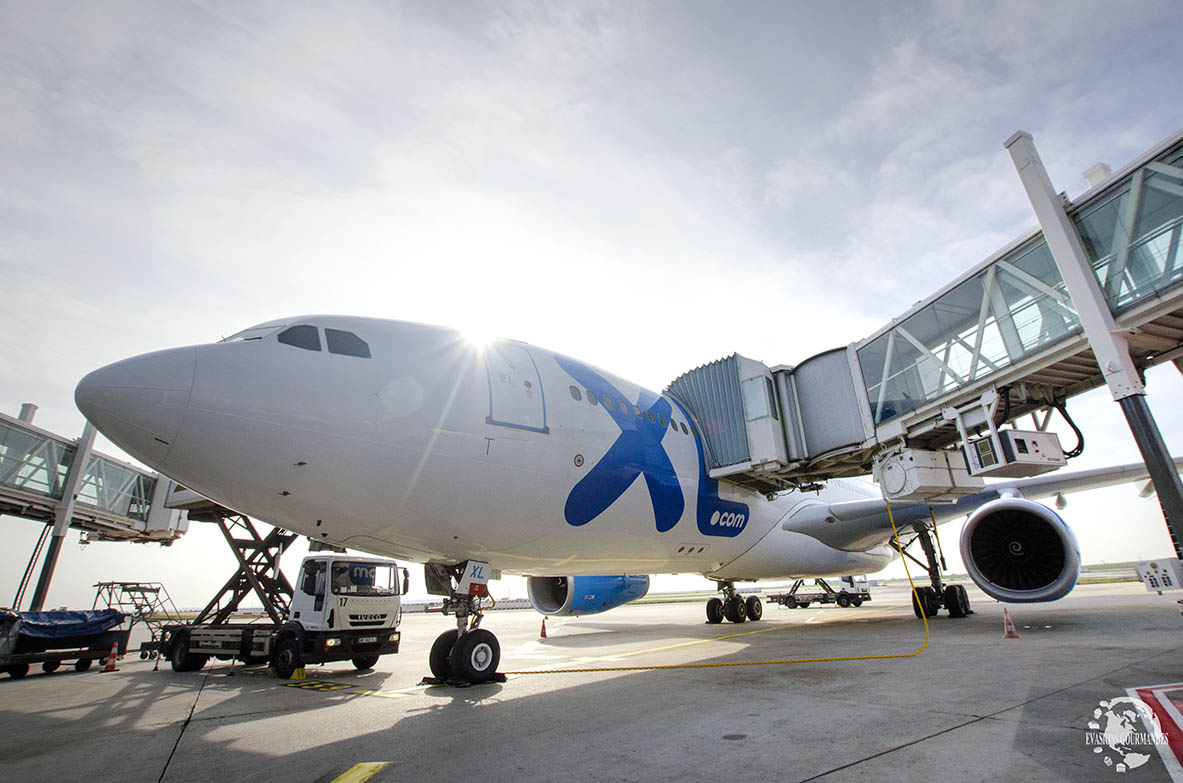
<point x="434" y="448"/>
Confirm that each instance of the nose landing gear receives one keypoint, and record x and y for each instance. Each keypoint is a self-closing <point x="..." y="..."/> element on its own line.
<point x="466" y="654"/>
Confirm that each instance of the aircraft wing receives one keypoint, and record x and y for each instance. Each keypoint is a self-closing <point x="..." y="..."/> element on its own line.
<point x="861" y="524"/>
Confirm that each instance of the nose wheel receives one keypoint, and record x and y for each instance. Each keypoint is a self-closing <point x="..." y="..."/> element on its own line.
<point x="466" y="654"/>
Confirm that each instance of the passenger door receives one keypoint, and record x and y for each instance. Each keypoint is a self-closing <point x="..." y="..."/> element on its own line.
<point x="516" y="398"/>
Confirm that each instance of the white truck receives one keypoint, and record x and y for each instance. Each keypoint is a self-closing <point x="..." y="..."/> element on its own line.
<point x="343" y="608"/>
<point x="851" y="591"/>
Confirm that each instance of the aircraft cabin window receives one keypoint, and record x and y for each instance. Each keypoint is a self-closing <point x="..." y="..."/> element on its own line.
<point x="591" y="397"/>
<point x="608" y="403"/>
<point x="649" y="415"/>
<point x="673" y="425"/>
<point x="346" y="343"/>
<point x="304" y="337"/>
<point x="637" y="411"/>
<point x="684" y="430"/>
<point x="661" y="419"/>
<point x="575" y="395"/>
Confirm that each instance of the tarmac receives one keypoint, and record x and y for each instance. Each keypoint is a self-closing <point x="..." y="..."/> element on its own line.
<point x="972" y="706"/>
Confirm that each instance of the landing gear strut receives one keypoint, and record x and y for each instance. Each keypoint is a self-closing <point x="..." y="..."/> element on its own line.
<point x="732" y="606"/>
<point x="929" y="599"/>
<point x="466" y="654"/>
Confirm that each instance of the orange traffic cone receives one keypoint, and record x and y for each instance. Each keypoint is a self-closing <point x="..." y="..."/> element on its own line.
<point x="1008" y="625"/>
<point x="542" y="634"/>
<point x="109" y="663"/>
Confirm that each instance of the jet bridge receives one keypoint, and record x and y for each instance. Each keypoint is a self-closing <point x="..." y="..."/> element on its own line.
<point x="63" y="483"/>
<point x="1003" y="340"/>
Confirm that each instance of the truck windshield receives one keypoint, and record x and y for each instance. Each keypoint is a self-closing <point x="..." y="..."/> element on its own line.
<point x="361" y="578"/>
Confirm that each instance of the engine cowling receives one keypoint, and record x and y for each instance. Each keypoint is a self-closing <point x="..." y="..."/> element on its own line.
<point x="573" y="595"/>
<point x="1020" y="551"/>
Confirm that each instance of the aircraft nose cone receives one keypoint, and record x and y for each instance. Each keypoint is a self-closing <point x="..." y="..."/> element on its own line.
<point x="139" y="402"/>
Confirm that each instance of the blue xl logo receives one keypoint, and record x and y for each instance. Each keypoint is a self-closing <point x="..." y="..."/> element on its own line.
<point x="637" y="452"/>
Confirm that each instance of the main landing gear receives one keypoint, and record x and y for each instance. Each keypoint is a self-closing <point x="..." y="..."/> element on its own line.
<point x="929" y="599"/>
<point x="466" y="654"/>
<point x="732" y="606"/>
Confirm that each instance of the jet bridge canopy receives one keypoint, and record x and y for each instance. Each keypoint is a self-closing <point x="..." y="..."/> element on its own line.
<point x="1009" y="322"/>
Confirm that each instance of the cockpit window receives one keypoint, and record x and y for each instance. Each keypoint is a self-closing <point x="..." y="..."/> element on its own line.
<point x="346" y="343"/>
<point x="304" y="336"/>
<point x="254" y="333"/>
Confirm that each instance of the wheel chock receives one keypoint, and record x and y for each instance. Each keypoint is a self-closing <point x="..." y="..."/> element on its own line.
<point x="299" y="674"/>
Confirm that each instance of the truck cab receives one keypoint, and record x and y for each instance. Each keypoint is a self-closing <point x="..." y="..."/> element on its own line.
<point x="339" y="592"/>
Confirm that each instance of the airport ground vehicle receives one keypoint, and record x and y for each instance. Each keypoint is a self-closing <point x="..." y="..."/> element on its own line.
<point x="852" y="591"/>
<point x="343" y="608"/>
<point x="53" y="638"/>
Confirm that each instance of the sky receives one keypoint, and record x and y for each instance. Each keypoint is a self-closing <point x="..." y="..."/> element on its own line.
<point x="647" y="186"/>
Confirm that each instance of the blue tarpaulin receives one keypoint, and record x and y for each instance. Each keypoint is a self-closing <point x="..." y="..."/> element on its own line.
<point x="58" y="625"/>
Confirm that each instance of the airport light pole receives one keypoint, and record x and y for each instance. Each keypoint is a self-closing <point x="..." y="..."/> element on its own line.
<point x="1106" y="339"/>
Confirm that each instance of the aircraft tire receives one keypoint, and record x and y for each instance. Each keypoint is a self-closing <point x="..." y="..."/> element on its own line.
<point x="475" y="656"/>
<point x="754" y="608"/>
<point x="715" y="613"/>
<point x="441" y="654"/>
<point x="957" y="601"/>
<point x="736" y="610"/>
<point x="927" y="607"/>
<point x="964" y="600"/>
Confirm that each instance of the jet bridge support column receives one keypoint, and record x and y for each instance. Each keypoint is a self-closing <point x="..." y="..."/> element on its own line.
<point x="63" y="514"/>
<point x="1105" y="338"/>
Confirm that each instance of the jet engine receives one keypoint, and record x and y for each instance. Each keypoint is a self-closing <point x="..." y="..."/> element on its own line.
<point x="1019" y="551"/>
<point x="574" y="595"/>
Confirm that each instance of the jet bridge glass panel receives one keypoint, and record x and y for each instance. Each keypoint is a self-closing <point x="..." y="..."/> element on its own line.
<point x="116" y="489"/>
<point x="1014" y="307"/>
<point x="32" y="462"/>
<point x="1131" y="233"/>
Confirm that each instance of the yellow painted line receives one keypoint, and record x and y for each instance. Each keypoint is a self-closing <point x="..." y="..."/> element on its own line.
<point x="360" y="773"/>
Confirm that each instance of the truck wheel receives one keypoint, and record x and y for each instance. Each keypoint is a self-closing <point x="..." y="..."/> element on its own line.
<point x="182" y="660"/>
<point x="476" y="655"/>
<point x="285" y="658"/>
<point x="366" y="662"/>
<point x="755" y="608"/>
<point x="804" y="604"/>
<point x="856" y="602"/>
<point x="49" y="667"/>
<point x="17" y="671"/>
<point x="83" y="664"/>
<point x="791" y="602"/>
<point x="715" y="611"/>
<point x="440" y="659"/>
<point x="843" y="600"/>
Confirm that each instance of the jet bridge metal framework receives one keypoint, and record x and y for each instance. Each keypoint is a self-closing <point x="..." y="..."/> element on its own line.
<point x="1035" y="321"/>
<point x="65" y="484"/>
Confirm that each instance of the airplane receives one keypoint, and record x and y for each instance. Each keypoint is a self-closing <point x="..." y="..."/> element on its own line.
<point x="410" y="441"/>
